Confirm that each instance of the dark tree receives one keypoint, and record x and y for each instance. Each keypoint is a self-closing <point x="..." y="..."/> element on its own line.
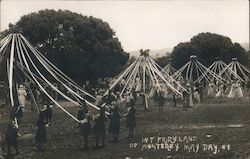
<point x="181" y="53"/>
<point x="82" y="47"/>
<point x="164" y="60"/>
<point x="208" y="47"/>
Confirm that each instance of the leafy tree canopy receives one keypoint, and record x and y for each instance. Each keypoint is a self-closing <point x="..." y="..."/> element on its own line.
<point x="208" y="47"/>
<point x="82" y="47"/>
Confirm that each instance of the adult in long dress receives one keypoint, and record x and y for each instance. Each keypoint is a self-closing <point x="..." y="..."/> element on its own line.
<point x="238" y="90"/>
<point x="185" y="98"/>
<point x="210" y="92"/>
<point x="138" y="84"/>
<point x="190" y="101"/>
<point x="197" y="95"/>
<point x="22" y="96"/>
<point x="220" y="92"/>
<point x="161" y="100"/>
<point x="232" y="91"/>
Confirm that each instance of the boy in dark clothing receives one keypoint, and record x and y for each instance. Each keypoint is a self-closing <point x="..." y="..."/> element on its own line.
<point x="82" y="111"/>
<point x="85" y="130"/>
<point x="16" y="113"/>
<point x="131" y="121"/>
<point x="40" y="132"/>
<point x="11" y="137"/>
<point x="99" y="127"/>
<point x="114" y="126"/>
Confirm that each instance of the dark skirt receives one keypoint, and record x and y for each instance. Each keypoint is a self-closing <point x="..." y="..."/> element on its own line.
<point x="85" y="129"/>
<point x="11" y="138"/>
<point x="41" y="135"/>
<point x="114" y="127"/>
<point x="131" y="121"/>
<point x="99" y="129"/>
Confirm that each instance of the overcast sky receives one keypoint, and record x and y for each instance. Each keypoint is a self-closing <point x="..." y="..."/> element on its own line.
<point x="149" y="24"/>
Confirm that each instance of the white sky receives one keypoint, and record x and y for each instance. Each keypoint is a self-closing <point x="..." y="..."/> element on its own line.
<point x="149" y="24"/>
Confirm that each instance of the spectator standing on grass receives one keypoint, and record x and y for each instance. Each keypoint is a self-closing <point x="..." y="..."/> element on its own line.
<point x="85" y="130"/>
<point x="41" y="131"/>
<point x="114" y="126"/>
<point x="131" y="121"/>
<point x="156" y="94"/>
<point x="99" y="128"/>
<point x="161" y="101"/>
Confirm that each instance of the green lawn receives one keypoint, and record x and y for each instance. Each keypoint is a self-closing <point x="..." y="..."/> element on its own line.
<point x="225" y="125"/>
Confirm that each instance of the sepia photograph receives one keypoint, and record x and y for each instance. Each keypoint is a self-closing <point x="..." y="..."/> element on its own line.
<point x="124" y="79"/>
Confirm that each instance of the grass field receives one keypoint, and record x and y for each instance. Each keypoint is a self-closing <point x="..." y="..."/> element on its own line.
<point x="210" y="130"/>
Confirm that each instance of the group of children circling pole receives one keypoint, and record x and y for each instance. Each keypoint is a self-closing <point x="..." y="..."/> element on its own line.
<point x="98" y="129"/>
